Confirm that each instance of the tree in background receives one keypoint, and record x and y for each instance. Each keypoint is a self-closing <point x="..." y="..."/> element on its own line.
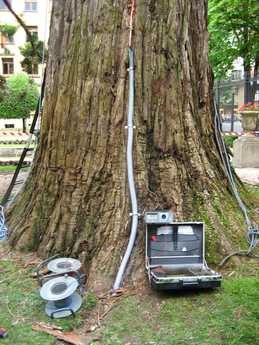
<point x="18" y="97"/>
<point x="33" y="56"/>
<point x="234" y="32"/>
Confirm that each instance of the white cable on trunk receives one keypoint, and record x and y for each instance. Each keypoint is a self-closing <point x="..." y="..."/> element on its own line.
<point x="132" y="190"/>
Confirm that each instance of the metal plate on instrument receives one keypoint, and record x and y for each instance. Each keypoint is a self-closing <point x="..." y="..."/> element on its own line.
<point x="64" y="265"/>
<point x="58" y="288"/>
<point x="159" y="217"/>
<point x="75" y="302"/>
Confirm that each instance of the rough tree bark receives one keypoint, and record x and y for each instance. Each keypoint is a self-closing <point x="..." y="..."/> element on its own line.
<point x="76" y="199"/>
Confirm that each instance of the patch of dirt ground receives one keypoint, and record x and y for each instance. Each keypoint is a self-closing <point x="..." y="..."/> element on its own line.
<point x="5" y="179"/>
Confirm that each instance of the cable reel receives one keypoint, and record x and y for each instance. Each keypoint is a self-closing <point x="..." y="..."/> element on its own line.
<point x="59" y="286"/>
<point x="61" y="295"/>
<point x="64" y="265"/>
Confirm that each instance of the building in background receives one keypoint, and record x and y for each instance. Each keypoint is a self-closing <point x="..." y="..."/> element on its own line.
<point x="36" y="16"/>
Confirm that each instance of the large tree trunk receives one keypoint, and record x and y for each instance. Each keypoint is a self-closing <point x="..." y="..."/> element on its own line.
<point x="76" y="199"/>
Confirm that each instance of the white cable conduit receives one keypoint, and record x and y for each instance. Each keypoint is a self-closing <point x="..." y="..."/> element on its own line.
<point x="131" y="183"/>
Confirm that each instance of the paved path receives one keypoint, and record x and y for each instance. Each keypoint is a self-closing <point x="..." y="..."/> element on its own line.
<point x="249" y="175"/>
<point x="14" y="159"/>
<point x="4" y="180"/>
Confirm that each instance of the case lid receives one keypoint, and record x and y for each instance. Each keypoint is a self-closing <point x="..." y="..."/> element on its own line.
<point x="180" y="243"/>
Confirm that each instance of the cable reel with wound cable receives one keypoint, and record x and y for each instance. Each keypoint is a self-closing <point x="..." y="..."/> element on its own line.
<point x="59" y="286"/>
<point x="63" y="300"/>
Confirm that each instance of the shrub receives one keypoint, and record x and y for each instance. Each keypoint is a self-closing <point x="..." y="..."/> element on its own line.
<point x="18" y="97"/>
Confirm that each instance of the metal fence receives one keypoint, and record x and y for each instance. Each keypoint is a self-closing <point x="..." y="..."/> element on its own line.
<point x="231" y="94"/>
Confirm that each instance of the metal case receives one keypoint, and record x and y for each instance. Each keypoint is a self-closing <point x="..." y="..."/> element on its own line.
<point x="175" y="254"/>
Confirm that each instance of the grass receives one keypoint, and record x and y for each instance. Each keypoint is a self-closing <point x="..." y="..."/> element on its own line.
<point x="227" y="316"/>
<point x="7" y="168"/>
<point x="21" y="306"/>
<point x="12" y="145"/>
<point x="254" y="190"/>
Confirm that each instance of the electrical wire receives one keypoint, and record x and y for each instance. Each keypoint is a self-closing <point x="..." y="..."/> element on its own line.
<point x="252" y="229"/>
<point x="130" y="170"/>
<point x="3" y="228"/>
<point x="132" y="14"/>
<point x="42" y="61"/>
<point x="132" y="190"/>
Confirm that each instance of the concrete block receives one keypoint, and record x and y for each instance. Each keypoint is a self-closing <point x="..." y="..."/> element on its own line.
<point x="246" y="152"/>
<point x="250" y="120"/>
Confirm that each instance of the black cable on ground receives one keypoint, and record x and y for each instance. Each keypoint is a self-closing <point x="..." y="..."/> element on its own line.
<point x="252" y="229"/>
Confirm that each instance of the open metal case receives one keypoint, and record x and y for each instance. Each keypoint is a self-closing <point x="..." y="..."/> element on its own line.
<point x="175" y="254"/>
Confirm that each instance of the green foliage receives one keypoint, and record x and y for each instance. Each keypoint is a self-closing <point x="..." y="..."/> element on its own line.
<point x="229" y="140"/>
<point x="234" y="32"/>
<point x="8" y="29"/>
<point x="18" y="97"/>
<point x="32" y="56"/>
<point x="254" y="190"/>
<point x="91" y="301"/>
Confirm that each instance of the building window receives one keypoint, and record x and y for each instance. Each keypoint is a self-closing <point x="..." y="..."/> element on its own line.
<point x="31" y="5"/>
<point x="6" y="39"/>
<point x="31" y="69"/>
<point x="33" y="31"/>
<point x="8" y="66"/>
<point x="34" y="69"/>
<point x="236" y="75"/>
<point x="3" y="5"/>
<point x="9" y="125"/>
<point x="9" y="39"/>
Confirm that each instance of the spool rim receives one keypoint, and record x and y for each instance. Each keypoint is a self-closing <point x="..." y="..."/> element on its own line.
<point x="58" y="288"/>
<point x="63" y="265"/>
<point x="75" y="304"/>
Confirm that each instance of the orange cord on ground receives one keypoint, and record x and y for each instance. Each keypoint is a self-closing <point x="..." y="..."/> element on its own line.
<point x="132" y="14"/>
